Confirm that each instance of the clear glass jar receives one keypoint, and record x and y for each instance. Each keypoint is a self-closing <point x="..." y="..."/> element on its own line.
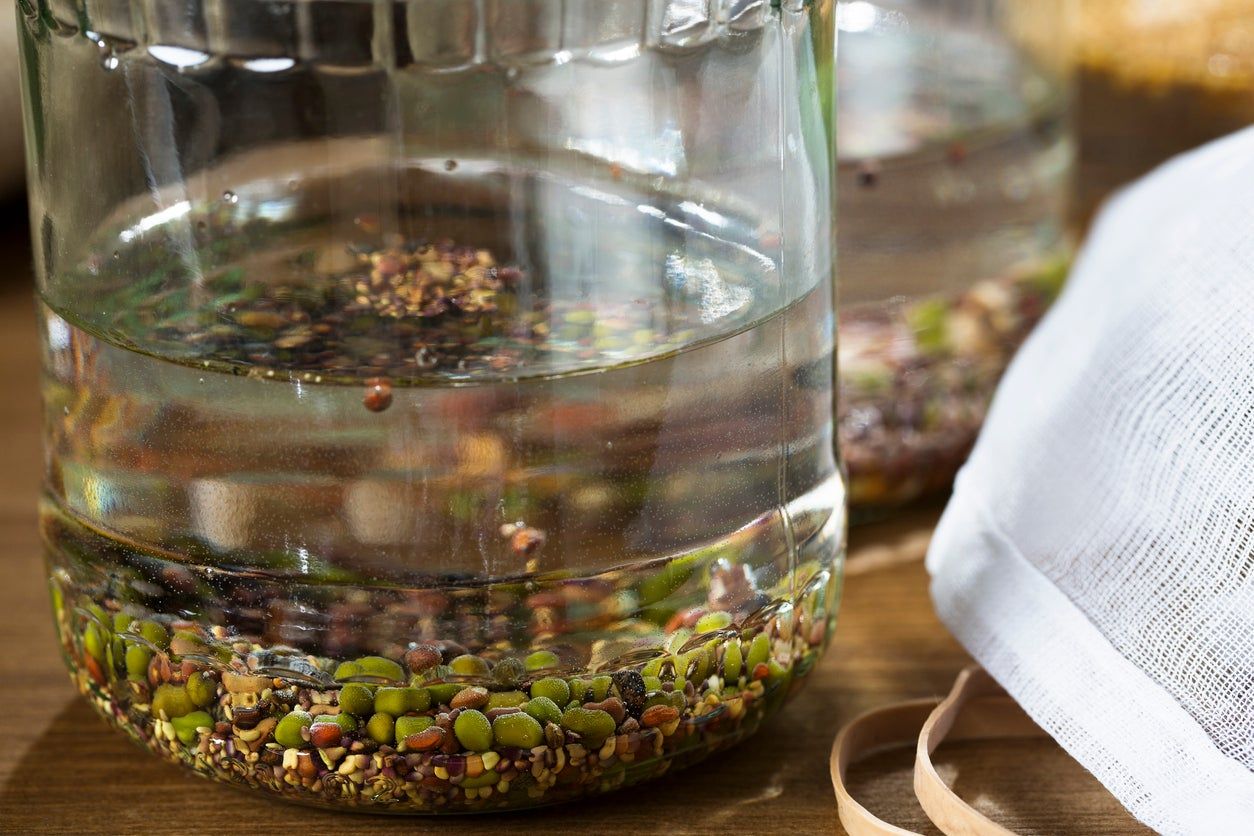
<point x="954" y="167"/>
<point x="438" y="393"/>
<point x="1143" y="65"/>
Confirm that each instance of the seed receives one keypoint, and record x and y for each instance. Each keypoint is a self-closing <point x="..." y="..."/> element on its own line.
<point x="468" y="665"/>
<point x="171" y="701"/>
<point x="356" y="699"/>
<point x="732" y="661"/>
<point x="759" y="651"/>
<point x="185" y="727"/>
<point x="508" y="672"/>
<point x="288" y="733"/>
<point x="137" y="659"/>
<point x="761" y="671"/>
<point x="473" y="730"/>
<point x="712" y="621"/>
<point x="658" y="715"/>
<point x="325" y="735"/>
<point x="552" y="687"/>
<point x="409" y="726"/>
<point x="201" y="689"/>
<point x="521" y="730"/>
<point x="631" y="688"/>
<point x="612" y="706"/>
<point x="505" y="699"/>
<point x="590" y="724"/>
<point x="376" y="667"/>
<point x="540" y="660"/>
<point x="379" y="727"/>
<point x="378" y="395"/>
<point x="425" y="740"/>
<point x="305" y="765"/>
<point x="543" y="709"/>
<point x="472" y="697"/>
<point x="397" y="701"/>
<point x="422" y="657"/>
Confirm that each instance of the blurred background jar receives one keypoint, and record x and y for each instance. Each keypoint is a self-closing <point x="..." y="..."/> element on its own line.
<point x="955" y="161"/>
<point x="1155" y="78"/>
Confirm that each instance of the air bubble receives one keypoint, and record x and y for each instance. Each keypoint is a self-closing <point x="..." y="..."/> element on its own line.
<point x="110" y="62"/>
<point x="230" y="197"/>
<point x="450" y="165"/>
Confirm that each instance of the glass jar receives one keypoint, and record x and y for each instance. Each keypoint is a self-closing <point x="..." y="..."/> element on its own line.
<point x="1145" y="64"/>
<point x="438" y="393"/>
<point x="954" y="162"/>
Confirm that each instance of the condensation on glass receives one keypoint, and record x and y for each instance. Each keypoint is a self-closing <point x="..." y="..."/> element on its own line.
<point x="438" y="394"/>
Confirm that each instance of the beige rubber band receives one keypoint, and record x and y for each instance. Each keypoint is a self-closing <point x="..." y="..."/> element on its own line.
<point x="989" y="713"/>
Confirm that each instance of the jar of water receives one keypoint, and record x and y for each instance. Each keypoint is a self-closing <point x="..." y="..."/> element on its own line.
<point x="955" y="161"/>
<point x="438" y="393"/>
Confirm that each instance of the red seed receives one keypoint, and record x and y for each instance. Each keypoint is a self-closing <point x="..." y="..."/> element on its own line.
<point x="378" y="395"/>
<point x="761" y="671"/>
<point x="325" y="735"/>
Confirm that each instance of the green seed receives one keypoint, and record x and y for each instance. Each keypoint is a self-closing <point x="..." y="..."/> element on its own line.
<point x="652" y="683"/>
<point x="94" y="641"/>
<point x="121" y="621"/>
<point x="468" y="665"/>
<point x="541" y="659"/>
<point x="405" y="726"/>
<point x="696" y="665"/>
<point x="555" y="689"/>
<point x="397" y="701"/>
<point x="445" y="691"/>
<point x="356" y="698"/>
<point x="759" y="651"/>
<point x="287" y="732"/>
<point x="653" y="668"/>
<point x="508" y="672"/>
<point x="185" y="726"/>
<point x="373" y="666"/>
<point x="380" y="727"/>
<point x="505" y="699"/>
<point x="732" y="661"/>
<point x="593" y="725"/>
<point x="579" y="689"/>
<point x="712" y="621"/>
<point x="656" y="698"/>
<point x="137" y="659"/>
<point x="201" y="689"/>
<point x="601" y="687"/>
<point x="171" y="701"/>
<point x="346" y="722"/>
<point x="473" y="730"/>
<point x="521" y="730"/>
<point x="154" y="633"/>
<point x="543" y="709"/>
<point x="487" y="779"/>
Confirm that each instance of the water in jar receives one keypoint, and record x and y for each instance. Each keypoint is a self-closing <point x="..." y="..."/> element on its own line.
<point x="522" y="492"/>
<point x="954" y="161"/>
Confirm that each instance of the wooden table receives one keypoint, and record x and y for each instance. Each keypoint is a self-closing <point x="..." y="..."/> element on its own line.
<point x="63" y="771"/>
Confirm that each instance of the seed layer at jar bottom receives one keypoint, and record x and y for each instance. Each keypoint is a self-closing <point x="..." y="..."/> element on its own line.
<point x="444" y="726"/>
<point x="917" y="377"/>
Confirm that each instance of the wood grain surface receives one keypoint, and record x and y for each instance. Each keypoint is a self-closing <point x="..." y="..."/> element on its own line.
<point x="63" y="771"/>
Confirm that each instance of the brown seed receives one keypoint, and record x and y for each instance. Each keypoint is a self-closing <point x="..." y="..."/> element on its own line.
<point x="378" y="395"/>
<point x="325" y="735"/>
<point x="93" y="668"/>
<point x="761" y="671"/>
<point x="425" y="740"/>
<point x="659" y="715"/>
<point x="493" y="713"/>
<point x="423" y="657"/>
<point x="612" y="706"/>
<point x="472" y="697"/>
<point x="305" y="765"/>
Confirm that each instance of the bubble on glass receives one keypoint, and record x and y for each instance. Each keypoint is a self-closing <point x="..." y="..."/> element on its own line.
<point x="450" y="165"/>
<point x="230" y="197"/>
